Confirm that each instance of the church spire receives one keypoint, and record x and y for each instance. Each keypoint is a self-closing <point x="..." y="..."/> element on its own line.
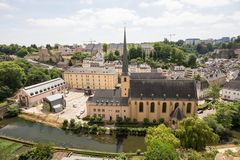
<point x="125" y="58"/>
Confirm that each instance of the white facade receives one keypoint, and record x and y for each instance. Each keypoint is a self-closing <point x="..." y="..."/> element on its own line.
<point x="230" y="94"/>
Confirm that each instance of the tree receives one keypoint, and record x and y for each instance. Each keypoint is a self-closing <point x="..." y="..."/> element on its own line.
<point x="192" y="61"/>
<point x="48" y="46"/>
<point x="157" y="150"/>
<point x="37" y="75"/>
<point x="201" y="49"/>
<point x="196" y="134"/>
<point x="70" y="63"/>
<point x="163" y="134"/>
<point x="214" y="92"/>
<point x="105" y="47"/>
<point x="5" y="92"/>
<point x="55" y="73"/>
<point x="79" y="56"/>
<point x="13" y="111"/>
<point x="22" y="52"/>
<point x="117" y="53"/>
<point x="39" y="152"/>
<point x="12" y="76"/>
<point x="65" y="124"/>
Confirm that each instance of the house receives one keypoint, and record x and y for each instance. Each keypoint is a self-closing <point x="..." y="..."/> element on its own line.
<point x="231" y="90"/>
<point x="193" y="41"/>
<point x="34" y="95"/>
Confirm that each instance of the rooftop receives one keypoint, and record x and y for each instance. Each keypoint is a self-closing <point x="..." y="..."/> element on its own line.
<point x="162" y="88"/>
<point x="43" y="87"/>
<point x="91" y="70"/>
<point x="234" y="85"/>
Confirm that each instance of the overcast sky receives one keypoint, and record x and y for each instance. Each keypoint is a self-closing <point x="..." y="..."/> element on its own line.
<point x="79" y="21"/>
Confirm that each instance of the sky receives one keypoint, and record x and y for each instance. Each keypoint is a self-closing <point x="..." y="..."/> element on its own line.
<point x="43" y="22"/>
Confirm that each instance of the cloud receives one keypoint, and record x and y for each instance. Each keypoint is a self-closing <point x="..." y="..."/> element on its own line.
<point x="5" y="7"/>
<point x="89" y="18"/>
<point x="180" y="4"/>
<point x="86" y="2"/>
<point x="167" y="4"/>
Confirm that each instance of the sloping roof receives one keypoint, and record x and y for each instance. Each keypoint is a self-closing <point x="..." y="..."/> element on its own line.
<point x="108" y="97"/>
<point x="54" y="97"/>
<point x="234" y="85"/>
<point x="44" y="86"/>
<point x="177" y="115"/>
<point x="162" y="88"/>
<point x="147" y="75"/>
<point x="91" y="70"/>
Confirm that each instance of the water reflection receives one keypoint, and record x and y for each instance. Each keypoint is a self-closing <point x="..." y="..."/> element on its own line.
<point x="31" y="131"/>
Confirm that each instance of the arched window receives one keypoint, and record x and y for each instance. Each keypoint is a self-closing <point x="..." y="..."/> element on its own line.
<point x="152" y="107"/>
<point x="176" y="105"/>
<point x="141" y="107"/>
<point x="189" y="107"/>
<point x="164" y="107"/>
<point x="125" y="79"/>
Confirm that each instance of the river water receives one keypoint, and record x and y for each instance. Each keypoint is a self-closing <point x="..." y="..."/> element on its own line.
<point x="37" y="132"/>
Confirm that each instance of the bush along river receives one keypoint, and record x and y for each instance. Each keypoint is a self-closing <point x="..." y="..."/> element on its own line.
<point x="32" y="131"/>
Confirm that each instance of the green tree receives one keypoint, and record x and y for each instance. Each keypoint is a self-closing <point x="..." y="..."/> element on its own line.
<point x="196" y="134"/>
<point x="117" y="53"/>
<point x="214" y="92"/>
<point x="65" y="124"/>
<point x="12" y="77"/>
<point x="202" y="48"/>
<point x="37" y="75"/>
<point x="105" y="47"/>
<point x="192" y="61"/>
<point x="163" y="134"/>
<point x="79" y="56"/>
<point x="22" y="52"/>
<point x="39" y="152"/>
<point x="158" y="150"/>
<point x="55" y="73"/>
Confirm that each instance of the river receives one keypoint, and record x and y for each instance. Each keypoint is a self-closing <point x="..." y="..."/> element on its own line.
<point x="37" y="132"/>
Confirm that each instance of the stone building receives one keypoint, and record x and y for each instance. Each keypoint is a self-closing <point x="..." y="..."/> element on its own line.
<point x="145" y="95"/>
<point x="231" y="90"/>
<point x="91" y="77"/>
<point x="34" y="95"/>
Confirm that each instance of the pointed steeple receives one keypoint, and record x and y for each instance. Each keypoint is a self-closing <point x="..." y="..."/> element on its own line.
<point x="125" y="58"/>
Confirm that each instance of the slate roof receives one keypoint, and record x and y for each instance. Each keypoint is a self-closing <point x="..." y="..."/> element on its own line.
<point x="177" y="115"/>
<point x="54" y="97"/>
<point x="162" y="88"/>
<point x="44" y="86"/>
<point x="147" y="75"/>
<point x="111" y="97"/>
<point x="91" y="70"/>
<point x="234" y="85"/>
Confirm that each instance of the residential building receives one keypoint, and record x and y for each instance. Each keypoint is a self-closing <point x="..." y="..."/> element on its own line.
<point x="193" y="41"/>
<point x="231" y="90"/>
<point x="145" y="95"/>
<point x="91" y="77"/>
<point x="112" y="47"/>
<point x="34" y="95"/>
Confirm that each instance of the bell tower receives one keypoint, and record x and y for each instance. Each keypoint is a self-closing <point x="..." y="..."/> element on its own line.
<point x="125" y="79"/>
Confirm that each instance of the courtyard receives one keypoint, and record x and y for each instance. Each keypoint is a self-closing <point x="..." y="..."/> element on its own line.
<point x="75" y="108"/>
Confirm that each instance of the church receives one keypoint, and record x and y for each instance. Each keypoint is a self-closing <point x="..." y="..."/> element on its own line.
<point x="145" y="95"/>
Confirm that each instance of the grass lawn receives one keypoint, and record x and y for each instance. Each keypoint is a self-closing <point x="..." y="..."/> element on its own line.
<point x="10" y="150"/>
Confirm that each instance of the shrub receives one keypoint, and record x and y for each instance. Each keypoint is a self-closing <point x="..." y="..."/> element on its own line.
<point x="236" y="141"/>
<point x="146" y="121"/>
<point x="13" y="111"/>
<point x="138" y="152"/>
<point x="72" y="124"/>
<point x="119" y="119"/>
<point x="65" y="124"/>
<point x="154" y="121"/>
<point x="161" y="121"/>
<point x="46" y="107"/>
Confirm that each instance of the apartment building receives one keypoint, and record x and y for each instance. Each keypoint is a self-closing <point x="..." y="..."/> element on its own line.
<point x="91" y="77"/>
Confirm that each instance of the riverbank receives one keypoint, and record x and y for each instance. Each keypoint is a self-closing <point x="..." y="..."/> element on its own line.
<point x="73" y="150"/>
<point x="44" y="119"/>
